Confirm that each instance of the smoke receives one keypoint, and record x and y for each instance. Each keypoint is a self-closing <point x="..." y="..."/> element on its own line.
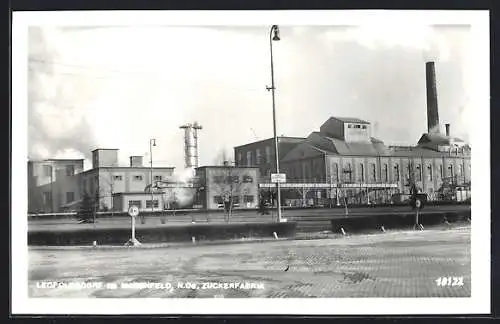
<point x="182" y="196"/>
<point x="55" y="126"/>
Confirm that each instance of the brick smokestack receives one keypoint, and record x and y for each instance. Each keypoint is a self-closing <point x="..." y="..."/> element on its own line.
<point x="432" y="104"/>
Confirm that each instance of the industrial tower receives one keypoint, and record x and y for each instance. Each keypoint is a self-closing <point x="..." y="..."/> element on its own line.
<point x="191" y="144"/>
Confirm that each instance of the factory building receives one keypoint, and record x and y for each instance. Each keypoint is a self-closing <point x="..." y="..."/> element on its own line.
<point x="53" y="183"/>
<point x="59" y="185"/>
<point x="361" y="169"/>
<point x="221" y="183"/>
<point x="261" y="154"/>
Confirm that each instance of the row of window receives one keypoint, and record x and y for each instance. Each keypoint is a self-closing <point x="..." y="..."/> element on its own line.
<point x="385" y="172"/>
<point x="235" y="199"/>
<point x="138" y="203"/>
<point x="47" y="197"/>
<point x="356" y="126"/>
<point x="232" y="179"/>
<point x="258" y="157"/>
<point x="47" y="170"/>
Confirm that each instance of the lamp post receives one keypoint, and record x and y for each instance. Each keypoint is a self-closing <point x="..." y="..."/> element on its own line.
<point x="274" y="35"/>
<point x="152" y="142"/>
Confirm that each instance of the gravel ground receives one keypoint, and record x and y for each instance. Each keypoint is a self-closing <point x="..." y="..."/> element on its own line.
<point x="392" y="264"/>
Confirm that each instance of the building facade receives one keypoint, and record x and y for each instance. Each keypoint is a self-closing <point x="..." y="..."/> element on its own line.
<point x="343" y="152"/>
<point x="261" y="154"/>
<point x="53" y="183"/>
<point x="219" y="183"/>
<point x="59" y="185"/>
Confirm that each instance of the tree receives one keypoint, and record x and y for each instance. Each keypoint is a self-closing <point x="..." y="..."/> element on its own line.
<point x="86" y="210"/>
<point x="228" y="186"/>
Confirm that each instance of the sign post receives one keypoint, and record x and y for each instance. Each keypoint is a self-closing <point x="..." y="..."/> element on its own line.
<point x="278" y="178"/>
<point x="133" y="212"/>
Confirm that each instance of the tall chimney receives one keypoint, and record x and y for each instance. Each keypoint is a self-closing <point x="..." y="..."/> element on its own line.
<point x="447" y="129"/>
<point x="432" y="105"/>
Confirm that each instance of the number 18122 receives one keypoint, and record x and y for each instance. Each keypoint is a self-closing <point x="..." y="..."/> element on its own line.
<point x="450" y="281"/>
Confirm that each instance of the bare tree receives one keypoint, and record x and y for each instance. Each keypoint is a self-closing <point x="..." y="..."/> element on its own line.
<point x="228" y="186"/>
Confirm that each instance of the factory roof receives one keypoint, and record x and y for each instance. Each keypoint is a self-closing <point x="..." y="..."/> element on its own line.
<point x="281" y="140"/>
<point x="351" y="120"/>
<point x="439" y="139"/>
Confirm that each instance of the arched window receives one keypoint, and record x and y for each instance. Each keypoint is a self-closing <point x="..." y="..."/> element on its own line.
<point x="396" y="172"/>
<point x="335" y="173"/>
<point x="348" y="173"/>
<point x="419" y="173"/>
<point x="374" y="172"/>
<point x="429" y="172"/>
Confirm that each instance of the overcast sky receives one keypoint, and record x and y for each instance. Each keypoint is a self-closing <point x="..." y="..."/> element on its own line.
<point x="117" y="87"/>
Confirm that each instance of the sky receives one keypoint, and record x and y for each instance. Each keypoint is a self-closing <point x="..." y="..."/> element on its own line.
<point x="116" y="87"/>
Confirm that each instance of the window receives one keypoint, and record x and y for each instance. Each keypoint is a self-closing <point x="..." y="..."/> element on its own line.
<point x="235" y="199"/>
<point x="419" y="173"/>
<point x="240" y="162"/>
<point x="268" y="154"/>
<point x="47" y="198"/>
<point x="257" y="156"/>
<point x="247" y="179"/>
<point x="386" y="173"/>
<point x="136" y="203"/>
<point x="138" y="178"/>
<point x="218" y="199"/>
<point x="460" y="170"/>
<point x="118" y="178"/>
<point x="364" y="126"/>
<point x="361" y="172"/>
<point x="218" y="179"/>
<point x="450" y="171"/>
<point x="155" y="203"/>
<point x="248" y="199"/>
<point x="429" y="172"/>
<point x="441" y="171"/>
<point x="396" y="172"/>
<point x="158" y="178"/>
<point x="374" y="172"/>
<point x="70" y="197"/>
<point x="249" y="158"/>
<point x="357" y="126"/>
<point x="348" y="173"/>
<point x="335" y="175"/>
<point x="349" y="126"/>
<point x="232" y="179"/>
<point x="47" y="170"/>
<point x="84" y="184"/>
<point x="70" y="170"/>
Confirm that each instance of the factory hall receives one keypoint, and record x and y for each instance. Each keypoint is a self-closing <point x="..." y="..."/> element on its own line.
<point x="339" y="163"/>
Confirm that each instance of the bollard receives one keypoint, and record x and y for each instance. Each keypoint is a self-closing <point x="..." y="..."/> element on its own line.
<point x="275" y="235"/>
<point x="193" y="239"/>
<point x="343" y="231"/>
<point x="382" y="228"/>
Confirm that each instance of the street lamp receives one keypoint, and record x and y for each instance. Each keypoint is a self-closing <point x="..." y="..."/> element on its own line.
<point x="274" y="35"/>
<point x="152" y="142"/>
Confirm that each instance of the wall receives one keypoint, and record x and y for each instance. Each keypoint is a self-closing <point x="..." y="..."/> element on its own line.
<point x="124" y="200"/>
<point x="121" y="179"/>
<point x="216" y="184"/>
<point x="54" y="183"/>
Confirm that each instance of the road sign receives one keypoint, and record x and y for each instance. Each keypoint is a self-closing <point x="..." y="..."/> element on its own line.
<point x="133" y="211"/>
<point x="278" y="177"/>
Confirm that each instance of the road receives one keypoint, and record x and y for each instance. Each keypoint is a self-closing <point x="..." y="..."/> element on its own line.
<point x="312" y="219"/>
<point x="393" y="264"/>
